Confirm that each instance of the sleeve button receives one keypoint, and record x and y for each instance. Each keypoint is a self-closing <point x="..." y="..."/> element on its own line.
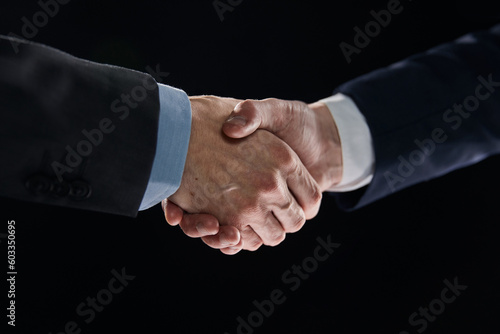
<point x="39" y="185"/>
<point x="80" y="190"/>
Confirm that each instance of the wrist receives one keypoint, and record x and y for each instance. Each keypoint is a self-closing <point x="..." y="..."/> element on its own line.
<point x="330" y="160"/>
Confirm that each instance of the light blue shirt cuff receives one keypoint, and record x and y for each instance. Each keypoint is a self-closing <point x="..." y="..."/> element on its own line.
<point x="174" y="129"/>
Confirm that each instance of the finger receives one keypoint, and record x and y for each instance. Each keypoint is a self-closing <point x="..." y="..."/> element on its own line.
<point x="231" y="250"/>
<point x="305" y="190"/>
<point x="199" y="225"/>
<point x="173" y="213"/>
<point x="228" y="236"/>
<point x="290" y="215"/>
<point x="251" y="241"/>
<point x="271" y="232"/>
<point x="250" y="115"/>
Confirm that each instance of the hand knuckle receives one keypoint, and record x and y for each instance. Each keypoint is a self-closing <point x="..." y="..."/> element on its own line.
<point x="282" y="155"/>
<point x="267" y="182"/>
<point x="248" y="105"/>
<point x="312" y="207"/>
<point x="316" y="198"/>
<point x="253" y="245"/>
<point x="296" y="225"/>
<point x="276" y="238"/>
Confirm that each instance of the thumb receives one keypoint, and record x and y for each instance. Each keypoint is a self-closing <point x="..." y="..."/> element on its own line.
<point x="248" y="116"/>
<point x="245" y="119"/>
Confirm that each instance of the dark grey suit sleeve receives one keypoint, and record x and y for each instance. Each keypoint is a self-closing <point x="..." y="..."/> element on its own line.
<point x="74" y="133"/>
<point x="430" y="114"/>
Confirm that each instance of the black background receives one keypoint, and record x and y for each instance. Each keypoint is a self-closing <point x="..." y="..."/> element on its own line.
<point x="394" y="254"/>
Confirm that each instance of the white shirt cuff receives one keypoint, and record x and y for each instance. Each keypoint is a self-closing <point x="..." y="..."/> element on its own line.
<point x="358" y="157"/>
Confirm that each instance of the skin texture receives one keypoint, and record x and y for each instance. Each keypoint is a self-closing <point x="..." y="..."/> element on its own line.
<point x="256" y="184"/>
<point x="309" y="130"/>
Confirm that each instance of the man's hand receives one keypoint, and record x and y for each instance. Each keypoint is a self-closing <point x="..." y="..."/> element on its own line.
<point x="309" y="129"/>
<point x="226" y="238"/>
<point x="256" y="184"/>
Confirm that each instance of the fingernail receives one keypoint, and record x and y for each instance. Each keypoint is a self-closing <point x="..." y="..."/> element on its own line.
<point x="237" y="107"/>
<point x="237" y="120"/>
<point x="223" y="240"/>
<point x="201" y="229"/>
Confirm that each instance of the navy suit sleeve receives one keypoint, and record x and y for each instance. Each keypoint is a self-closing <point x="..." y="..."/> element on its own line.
<point x="429" y="114"/>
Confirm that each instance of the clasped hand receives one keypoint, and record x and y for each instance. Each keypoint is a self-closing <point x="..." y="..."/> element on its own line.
<point x="254" y="171"/>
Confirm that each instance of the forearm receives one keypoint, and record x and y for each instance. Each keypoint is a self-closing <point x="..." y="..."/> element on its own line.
<point x="412" y="104"/>
<point x="81" y="134"/>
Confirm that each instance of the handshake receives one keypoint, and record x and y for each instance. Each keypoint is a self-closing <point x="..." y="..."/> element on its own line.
<point x="254" y="171"/>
